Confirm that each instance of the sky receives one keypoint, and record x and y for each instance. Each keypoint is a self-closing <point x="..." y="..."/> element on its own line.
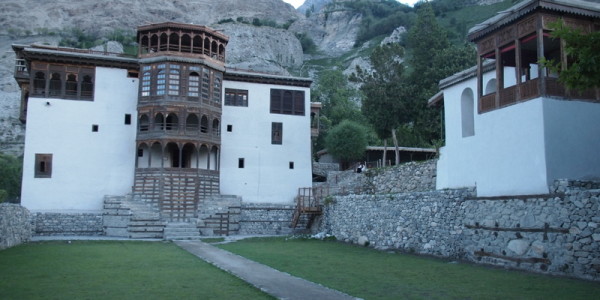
<point x="297" y="3"/>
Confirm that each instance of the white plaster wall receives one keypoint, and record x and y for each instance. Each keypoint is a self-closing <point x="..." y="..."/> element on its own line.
<point x="266" y="177"/>
<point x="506" y="156"/>
<point x="572" y="139"/>
<point x="86" y="165"/>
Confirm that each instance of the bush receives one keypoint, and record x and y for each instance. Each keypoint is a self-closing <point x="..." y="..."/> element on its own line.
<point x="308" y="45"/>
<point x="11" y="170"/>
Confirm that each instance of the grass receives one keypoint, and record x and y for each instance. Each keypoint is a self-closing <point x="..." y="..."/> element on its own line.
<point x="114" y="270"/>
<point x="371" y="274"/>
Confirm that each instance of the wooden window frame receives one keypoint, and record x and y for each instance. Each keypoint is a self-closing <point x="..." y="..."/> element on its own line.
<point x="43" y="165"/>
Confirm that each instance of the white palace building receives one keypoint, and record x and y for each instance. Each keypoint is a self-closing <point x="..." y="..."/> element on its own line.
<point x="173" y="125"/>
<point x="511" y="127"/>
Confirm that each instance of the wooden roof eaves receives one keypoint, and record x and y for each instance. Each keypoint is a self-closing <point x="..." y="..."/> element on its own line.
<point x="76" y="58"/>
<point x="191" y="27"/>
<point x="523" y="9"/>
<point x="267" y="79"/>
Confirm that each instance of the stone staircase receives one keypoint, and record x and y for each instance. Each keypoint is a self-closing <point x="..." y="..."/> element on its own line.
<point x="181" y="231"/>
<point x="124" y="217"/>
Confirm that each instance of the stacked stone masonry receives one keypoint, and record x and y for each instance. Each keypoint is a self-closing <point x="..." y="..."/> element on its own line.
<point x="76" y="224"/>
<point x="557" y="233"/>
<point x="266" y="219"/>
<point x="15" y="226"/>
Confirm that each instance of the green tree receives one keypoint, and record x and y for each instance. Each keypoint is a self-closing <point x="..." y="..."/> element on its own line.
<point x="384" y="104"/>
<point x="337" y="97"/>
<point x="11" y="171"/>
<point x="583" y="54"/>
<point x="433" y="58"/>
<point x="347" y="141"/>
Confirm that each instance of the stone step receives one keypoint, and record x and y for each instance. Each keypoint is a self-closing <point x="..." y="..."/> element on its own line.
<point x="145" y="228"/>
<point x="146" y="235"/>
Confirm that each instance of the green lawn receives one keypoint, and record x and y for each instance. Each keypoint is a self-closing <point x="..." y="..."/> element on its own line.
<point x="371" y="274"/>
<point x="114" y="270"/>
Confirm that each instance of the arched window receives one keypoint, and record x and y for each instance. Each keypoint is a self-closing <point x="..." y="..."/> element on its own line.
<point x="174" y="42"/>
<point x="215" y="127"/>
<point x="192" y="123"/>
<point x="197" y="46"/>
<point x="217" y="88"/>
<point x="153" y="43"/>
<point x="214" y="49"/>
<point x="143" y="156"/>
<point x="206" y="46"/>
<point x="204" y="124"/>
<point x="174" y="80"/>
<point x="186" y="43"/>
<point x="490" y="87"/>
<point x="144" y="123"/>
<point x="164" y="42"/>
<point x="467" y="108"/>
<point x="55" y="85"/>
<point x="146" y="76"/>
<point x="221" y="52"/>
<point x="172" y="155"/>
<point x="194" y="85"/>
<point x="145" y="45"/>
<point x="189" y="156"/>
<point x="172" y="122"/>
<point x="39" y="83"/>
<point x="160" y="82"/>
<point x="87" y="86"/>
<point x="71" y="85"/>
<point x="159" y="122"/>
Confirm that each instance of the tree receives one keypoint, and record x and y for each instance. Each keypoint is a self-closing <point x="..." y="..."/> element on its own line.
<point x="337" y="97"/>
<point x="384" y="104"/>
<point x="347" y="141"/>
<point x="583" y="55"/>
<point x="433" y="58"/>
<point x="11" y="171"/>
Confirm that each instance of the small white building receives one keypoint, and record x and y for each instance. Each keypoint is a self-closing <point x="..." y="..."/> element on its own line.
<point x="172" y="125"/>
<point x="511" y="128"/>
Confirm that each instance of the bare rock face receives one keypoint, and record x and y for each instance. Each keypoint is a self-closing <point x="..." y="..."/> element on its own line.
<point x="334" y="32"/>
<point x="262" y="49"/>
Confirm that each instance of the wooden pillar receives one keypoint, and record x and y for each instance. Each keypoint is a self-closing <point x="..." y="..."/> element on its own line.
<point x="518" y="69"/>
<point x="540" y="55"/>
<point x="499" y="76"/>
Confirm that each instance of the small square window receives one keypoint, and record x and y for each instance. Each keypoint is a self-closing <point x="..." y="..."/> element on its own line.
<point x="229" y="128"/>
<point x="127" y="119"/>
<point x="291" y="165"/>
<point x="94" y="128"/>
<point x="241" y="163"/>
<point x="43" y="165"/>
<point x="140" y="152"/>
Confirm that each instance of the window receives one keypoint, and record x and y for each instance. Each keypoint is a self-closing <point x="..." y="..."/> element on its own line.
<point x="240" y="163"/>
<point x="194" y="85"/>
<point x="217" y="88"/>
<point x="468" y="113"/>
<point x="205" y="84"/>
<point x="287" y="102"/>
<point x="291" y="165"/>
<point x="140" y="152"/>
<point x="236" y="97"/>
<point x="276" y="133"/>
<point x="174" y="80"/>
<point x="161" y="83"/>
<point x="229" y="128"/>
<point x="127" y="119"/>
<point x="94" y="128"/>
<point x="146" y="83"/>
<point x="43" y="165"/>
<point x="61" y="81"/>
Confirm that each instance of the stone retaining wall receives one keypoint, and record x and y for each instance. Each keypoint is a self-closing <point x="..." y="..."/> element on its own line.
<point x="408" y="177"/>
<point x="77" y="224"/>
<point x="266" y="218"/>
<point x="15" y="227"/>
<point x="555" y="234"/>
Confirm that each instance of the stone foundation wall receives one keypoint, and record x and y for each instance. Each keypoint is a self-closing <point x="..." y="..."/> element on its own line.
<point x="555" y="234"/>
<point x="266" y="219"/>
<point x="407" y="177"/>
<point x="15" y="227"/>
<point x="77" y="224"/>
